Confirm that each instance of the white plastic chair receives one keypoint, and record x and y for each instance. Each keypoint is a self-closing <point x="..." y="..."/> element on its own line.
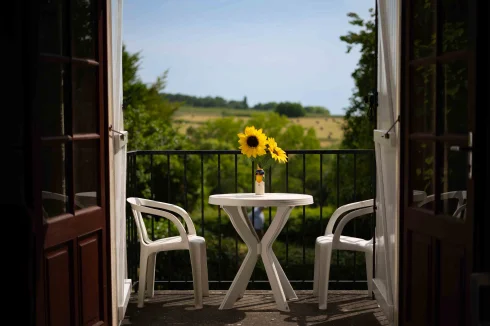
<point x="335" y="241"/>
<point x="185" y="241"/>
<point x="460" y="195"/>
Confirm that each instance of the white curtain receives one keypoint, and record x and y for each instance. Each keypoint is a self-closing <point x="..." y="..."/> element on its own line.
<point x="120" y="150"/>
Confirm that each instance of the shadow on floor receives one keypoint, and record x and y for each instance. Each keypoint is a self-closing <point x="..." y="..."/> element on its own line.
<point x="347" y="308"/>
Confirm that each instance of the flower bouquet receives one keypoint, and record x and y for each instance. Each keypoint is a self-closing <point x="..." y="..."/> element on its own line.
<point x="262" y="151"/>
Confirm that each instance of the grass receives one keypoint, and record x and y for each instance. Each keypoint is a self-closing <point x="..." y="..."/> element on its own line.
<point x="328" y="129"/>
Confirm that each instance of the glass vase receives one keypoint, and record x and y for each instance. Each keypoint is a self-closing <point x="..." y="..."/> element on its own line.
<point x="259" y="181"/>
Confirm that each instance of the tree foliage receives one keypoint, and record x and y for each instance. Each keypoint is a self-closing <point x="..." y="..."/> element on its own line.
<point x="207" y="101"/>
<point x="358" y="130"/>
<point x="147" y="115"/>
<point x="291" y="110"/>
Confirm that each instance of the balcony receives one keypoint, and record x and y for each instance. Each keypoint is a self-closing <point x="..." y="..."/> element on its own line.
<point x="187" y="178"/>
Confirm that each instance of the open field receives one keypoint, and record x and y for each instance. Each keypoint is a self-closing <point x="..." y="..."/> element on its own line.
<point x="328" y="129"/>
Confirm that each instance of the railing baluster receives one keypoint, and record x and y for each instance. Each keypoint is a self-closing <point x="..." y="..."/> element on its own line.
<point x="185" y="201"/>
<point x="321" y="194"/>
<point x="219" y="222"/>
<point x="270" y="190"/>
<point x="135" y="234"/>
<point x="202" y="196"/>
<point x="338" y="204"/>
<point x="168" y="253"/>
<point x="236" y="191"/>
<point x="304" y="216"/>
<point x="152" y="196"/>
<point x="253" y="212"/>
<point x="372" y="220"/>
<point x="185" y="182"/>
<point x="287" y="223"/>
<point x="355" y="220"/>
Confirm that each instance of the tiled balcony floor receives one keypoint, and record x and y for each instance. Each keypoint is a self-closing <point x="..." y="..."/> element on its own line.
<point x="255" y="308"/>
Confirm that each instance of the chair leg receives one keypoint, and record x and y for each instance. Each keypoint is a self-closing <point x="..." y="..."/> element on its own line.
<point x="316" y="270"/>
<point x="195" y="254"/>
<point x="150" y="275"/>
<point x="204" y="271"/>
<point x="369" y="272"/>
<point x="325" y="252"/>
<point x="142" y="278"/>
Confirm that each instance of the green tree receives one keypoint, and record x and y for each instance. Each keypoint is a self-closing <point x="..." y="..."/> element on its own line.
<point x="358" y="130"/>
<point x="317" y="110"/>
<point x="147" y="115"/>
<point x="291" y="110"/>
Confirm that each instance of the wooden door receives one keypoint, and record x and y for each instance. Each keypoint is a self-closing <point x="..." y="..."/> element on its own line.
<point x="438" y="107"/>
<point x="72" y="163"/>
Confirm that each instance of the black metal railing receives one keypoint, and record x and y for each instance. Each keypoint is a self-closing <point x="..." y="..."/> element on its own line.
<point x="187" y="178"/>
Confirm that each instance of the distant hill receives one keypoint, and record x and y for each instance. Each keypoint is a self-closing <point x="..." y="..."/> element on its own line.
<point x="220" y="102"/>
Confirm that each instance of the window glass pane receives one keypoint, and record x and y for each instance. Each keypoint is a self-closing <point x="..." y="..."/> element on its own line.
<point x="423" y="99"/>
<point x="54" y="186"/>
<point x="423" y="28"/>
<point x="86" y="173"/>
<point x="421" y="174"/>
<point x="52" y="96"/>
<point x="85" y="99"/>
<point x="83" y="24"/>
<point x="454" y="180"/>
<point x="455" y="94"/>
<point x="53" y="36"/>
<point x="454" y="25"/>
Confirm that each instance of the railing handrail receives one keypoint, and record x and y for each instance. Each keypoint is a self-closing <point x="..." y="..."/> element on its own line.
<point x="231" y="151"/>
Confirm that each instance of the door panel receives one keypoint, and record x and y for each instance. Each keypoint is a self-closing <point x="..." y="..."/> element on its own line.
<point x="59" y="291"/>
<point x="451" y="268"/>
<point x="90" y="251"/>
<point x="73" y="136"/>
<point x="418" y="285"/>
<point x="437" y="228"/>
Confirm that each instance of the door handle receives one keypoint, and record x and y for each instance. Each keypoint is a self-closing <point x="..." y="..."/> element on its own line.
<point x="461" y="148"/>
<point x="468" y="149"/>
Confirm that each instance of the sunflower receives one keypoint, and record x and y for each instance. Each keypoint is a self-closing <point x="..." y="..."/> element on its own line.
<point x="277" y="153"/>
<point x="252" y="142"/>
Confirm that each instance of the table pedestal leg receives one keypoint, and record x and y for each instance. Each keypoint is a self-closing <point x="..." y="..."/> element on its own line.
<point x="245" y="272"/>
<point x="281" y="288"/>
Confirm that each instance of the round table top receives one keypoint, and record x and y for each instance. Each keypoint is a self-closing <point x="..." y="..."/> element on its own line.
<point x="265" y="200"/>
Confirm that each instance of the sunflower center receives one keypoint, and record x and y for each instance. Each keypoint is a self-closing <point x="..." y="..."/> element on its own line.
<point x="252" y="141"/>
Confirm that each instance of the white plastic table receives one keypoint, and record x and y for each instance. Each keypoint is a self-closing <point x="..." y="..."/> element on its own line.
<point x="235" y="205"/>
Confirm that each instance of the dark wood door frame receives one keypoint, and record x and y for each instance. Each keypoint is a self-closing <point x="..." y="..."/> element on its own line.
<point x="482" y="139"/>
<point x="479" y="32"/>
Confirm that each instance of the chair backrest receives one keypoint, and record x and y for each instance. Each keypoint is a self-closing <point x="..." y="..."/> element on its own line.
<point x="460" y="195"/>
<point x="140" y="205"/>
<point x="138" y="219"/>
<point x="344" y="209"/>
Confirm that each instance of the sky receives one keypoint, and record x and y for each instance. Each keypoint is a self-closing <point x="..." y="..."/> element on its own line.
<point x="267" y="50"/>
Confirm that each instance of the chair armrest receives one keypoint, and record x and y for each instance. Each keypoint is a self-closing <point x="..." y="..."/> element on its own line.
<point x="173" y="208"/>
<point x="343" y="209"/>
<point x="347" y="218"/>
<point x="172" y="218"/>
